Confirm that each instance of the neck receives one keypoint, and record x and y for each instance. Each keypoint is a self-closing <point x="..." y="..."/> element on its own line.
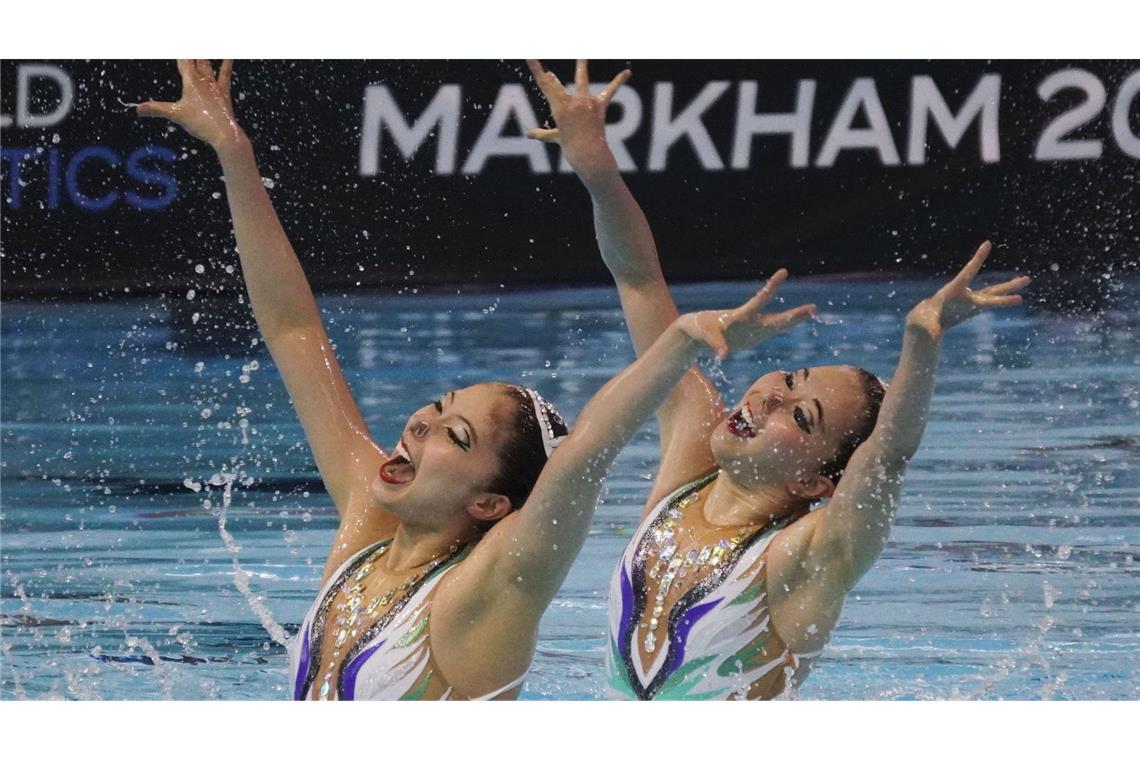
<point x="414" y="546"/>
<point x="730" y="504"/>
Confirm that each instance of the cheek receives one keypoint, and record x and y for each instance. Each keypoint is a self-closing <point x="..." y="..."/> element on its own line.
<point x="785" y="447"/>
<point x="781" y="436"/>
<point x="463" y="472"/>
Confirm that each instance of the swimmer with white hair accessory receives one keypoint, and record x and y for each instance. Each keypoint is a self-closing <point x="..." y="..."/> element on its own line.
<point x="453" y="542"/>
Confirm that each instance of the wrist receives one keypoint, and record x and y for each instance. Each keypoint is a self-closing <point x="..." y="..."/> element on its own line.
<point x="604" y="186"/>
<point x="685" y="337"/>
<point x="922" y="321"/>
<point x="234" y="145"/>
<point x="598" y="170"/>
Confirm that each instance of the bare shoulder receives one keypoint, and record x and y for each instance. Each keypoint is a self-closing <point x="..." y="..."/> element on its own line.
<point x="804" y="600"/>
<point x="483" y="627"/>
<point x="788" y="552"/>
<point x="478" y="587"/>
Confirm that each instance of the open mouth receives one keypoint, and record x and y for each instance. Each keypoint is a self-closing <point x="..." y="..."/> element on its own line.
<point x="398" y="470"/>
<point x="741" y="423"/>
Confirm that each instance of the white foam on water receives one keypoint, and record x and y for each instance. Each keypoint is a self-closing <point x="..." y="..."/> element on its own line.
<point x="251" y="573"/>
<point x="827" y="318"/>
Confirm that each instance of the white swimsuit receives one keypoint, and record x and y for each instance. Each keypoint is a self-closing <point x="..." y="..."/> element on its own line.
<point x="719" y="642"/>
<point x="392" y="660"/>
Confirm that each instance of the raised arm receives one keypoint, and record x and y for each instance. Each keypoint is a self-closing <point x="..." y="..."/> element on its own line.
<point x="534" y="550"/>
<point x="279" y="292"/>
<point x="624" y="237"/>
<point x="847" y="536"/>
<point x="629" y="252"/>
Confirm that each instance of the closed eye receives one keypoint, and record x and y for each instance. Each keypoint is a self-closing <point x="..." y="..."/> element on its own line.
<point x="801" y="420"/>
<point x="460" y="439"/>
<point x="457" y="440"/>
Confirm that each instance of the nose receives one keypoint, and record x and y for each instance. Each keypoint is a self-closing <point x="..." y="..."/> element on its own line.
<point x="772" y="402"/>
<point x="419" y="429"/>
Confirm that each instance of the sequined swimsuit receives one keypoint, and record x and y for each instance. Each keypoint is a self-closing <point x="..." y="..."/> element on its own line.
<point x="392" y="660"/>
<point x="718" y="643"/>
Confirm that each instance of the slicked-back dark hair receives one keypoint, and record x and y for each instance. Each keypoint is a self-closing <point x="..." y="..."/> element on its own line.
<point x="873" y="391"/>
<point x="522" y="454"/>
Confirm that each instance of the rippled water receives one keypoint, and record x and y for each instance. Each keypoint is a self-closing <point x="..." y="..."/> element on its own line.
<point x="1011" y="573"/>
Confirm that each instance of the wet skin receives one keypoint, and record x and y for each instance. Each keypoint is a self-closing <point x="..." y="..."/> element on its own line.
<point x="453" y="444"/>
<point x="798" y="420"/>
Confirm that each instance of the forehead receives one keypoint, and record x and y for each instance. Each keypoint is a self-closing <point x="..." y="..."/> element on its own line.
<point x="825" y="379"/>
<point x="481" y="404"/>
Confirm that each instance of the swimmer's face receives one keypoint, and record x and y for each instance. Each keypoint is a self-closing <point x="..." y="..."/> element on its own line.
<point x="438" y="472"/>
<point x="788" y="424"/>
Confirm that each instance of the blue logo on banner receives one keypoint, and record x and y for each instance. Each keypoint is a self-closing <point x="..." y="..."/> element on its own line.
<point x="145" y="165"/>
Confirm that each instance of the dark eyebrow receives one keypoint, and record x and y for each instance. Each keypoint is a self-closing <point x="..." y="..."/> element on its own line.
<point x="464" y="420"/>
<point x="819" y="408"/>
<point x="805" y="373"/>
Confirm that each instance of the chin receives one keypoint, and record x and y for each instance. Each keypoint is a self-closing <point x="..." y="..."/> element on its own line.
<point x="381" y="493"/>
<point x="720" y="438"/>
<point x="733" y="459"/>
<point x="727" y="447"/>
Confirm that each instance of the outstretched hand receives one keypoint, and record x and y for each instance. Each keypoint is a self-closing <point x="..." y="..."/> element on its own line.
<point x="205" y="109"/>
<point x="580" y="117"/>
<point x="744" y="326"/>
<point x="955" y="302"/>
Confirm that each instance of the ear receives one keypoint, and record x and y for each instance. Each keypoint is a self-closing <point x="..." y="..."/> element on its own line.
<point x="489" y="507"/>
<point x="810" y="488"/>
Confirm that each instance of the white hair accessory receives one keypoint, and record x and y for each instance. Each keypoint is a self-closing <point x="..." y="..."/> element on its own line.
<point x="550" y="441"/>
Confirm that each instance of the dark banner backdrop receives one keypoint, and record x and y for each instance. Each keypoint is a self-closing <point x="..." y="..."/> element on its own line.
<point x="396" y="174"/>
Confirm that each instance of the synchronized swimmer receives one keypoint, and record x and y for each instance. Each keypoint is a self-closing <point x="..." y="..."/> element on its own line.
<point x="732" y="585"/>
<point x="454" y="541"/>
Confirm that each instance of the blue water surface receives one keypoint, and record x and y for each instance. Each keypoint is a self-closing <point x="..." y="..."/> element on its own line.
<point x="1011" y="572"/>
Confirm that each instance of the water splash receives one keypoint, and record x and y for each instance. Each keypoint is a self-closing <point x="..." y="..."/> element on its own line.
<point x="827" y="318"/>
<point x="13" y="672"/>
<point x="241" y="576"/>
<point x="160" y="668"/>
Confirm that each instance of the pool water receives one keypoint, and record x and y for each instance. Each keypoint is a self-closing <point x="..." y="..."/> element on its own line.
<point x="1011" y="573"/>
